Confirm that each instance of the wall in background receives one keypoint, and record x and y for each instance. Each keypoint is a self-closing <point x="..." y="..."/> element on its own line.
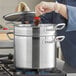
<point x="8" y="6"/>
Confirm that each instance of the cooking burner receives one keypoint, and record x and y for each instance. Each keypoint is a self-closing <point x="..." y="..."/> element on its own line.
<point x="8" y="69"/>
<point x="29" y="73"/>
<point x="54" y="72"/>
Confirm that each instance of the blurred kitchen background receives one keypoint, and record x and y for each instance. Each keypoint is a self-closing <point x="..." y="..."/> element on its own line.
<point x="6" y="7"/>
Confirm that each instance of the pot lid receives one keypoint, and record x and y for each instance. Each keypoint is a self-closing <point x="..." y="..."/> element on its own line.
<point x="19" y="16"/>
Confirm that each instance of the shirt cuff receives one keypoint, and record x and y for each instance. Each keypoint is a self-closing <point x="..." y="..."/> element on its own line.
<point x="71" y="25"/>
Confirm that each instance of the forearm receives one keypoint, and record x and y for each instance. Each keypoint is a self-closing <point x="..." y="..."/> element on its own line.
<point x="62" y="9"/>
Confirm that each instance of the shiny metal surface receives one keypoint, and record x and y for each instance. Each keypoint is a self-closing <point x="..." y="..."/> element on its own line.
<point x="35" y="46"/>
<point x="26" y="30"/>
<point x="25" y="56"/>
<point x="19" y="16"/>
<point x="23" y="52"/>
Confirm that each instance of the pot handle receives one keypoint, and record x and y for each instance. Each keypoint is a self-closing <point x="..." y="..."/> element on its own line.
<point x="9" y="36"/>
<point x="59" y="38"/>
<point x="60" y="26"/>
<point x="56" y="39"/>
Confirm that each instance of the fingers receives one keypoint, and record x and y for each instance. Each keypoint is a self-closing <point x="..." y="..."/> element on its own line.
<point x="44" y="7"/>
<point x="39" y="9"/>
<point x="38" y="13"/>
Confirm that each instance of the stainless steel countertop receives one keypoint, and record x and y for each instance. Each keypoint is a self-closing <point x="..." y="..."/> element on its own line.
<point x="6" y="43"/>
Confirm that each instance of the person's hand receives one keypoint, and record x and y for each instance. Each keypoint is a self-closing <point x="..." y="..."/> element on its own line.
<point x="44" y="7"/>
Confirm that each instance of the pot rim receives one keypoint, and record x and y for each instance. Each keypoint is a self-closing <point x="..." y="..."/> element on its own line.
<point x="32" y="25"/>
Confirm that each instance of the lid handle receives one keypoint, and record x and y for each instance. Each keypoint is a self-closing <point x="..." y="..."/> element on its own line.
<point x="37" y="21"/>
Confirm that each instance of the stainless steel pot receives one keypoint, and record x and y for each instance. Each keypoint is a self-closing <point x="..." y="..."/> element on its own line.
<point x="35" y="45"/>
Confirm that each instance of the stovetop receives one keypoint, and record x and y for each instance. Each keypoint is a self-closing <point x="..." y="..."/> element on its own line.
<point x="7" y="68"/>
<point x="4" y="73"/>
<point x="11" y="71"/>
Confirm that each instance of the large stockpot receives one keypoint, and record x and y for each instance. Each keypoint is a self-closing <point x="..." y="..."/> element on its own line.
<point x="35" y="46"/>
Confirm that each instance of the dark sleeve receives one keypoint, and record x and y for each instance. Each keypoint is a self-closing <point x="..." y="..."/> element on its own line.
<point x="71" y="25"/>
<point x="51" y="17"/>
<point x="47" y="18"/>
